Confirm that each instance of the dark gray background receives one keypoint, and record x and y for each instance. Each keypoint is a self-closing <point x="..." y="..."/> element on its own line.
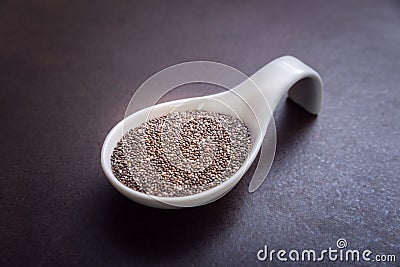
<point x="69" y="68"/>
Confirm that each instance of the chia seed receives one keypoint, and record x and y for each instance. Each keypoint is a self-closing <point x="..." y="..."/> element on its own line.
<point x="182" y="153"/>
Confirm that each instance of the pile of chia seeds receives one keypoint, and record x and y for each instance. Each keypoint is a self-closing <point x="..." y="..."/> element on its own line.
<point x="182" y="153"/>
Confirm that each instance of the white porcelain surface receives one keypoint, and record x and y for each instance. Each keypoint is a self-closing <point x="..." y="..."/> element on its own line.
<point x="246" y="101"/>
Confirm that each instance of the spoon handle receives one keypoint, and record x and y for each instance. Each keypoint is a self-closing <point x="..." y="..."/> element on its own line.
<point x="288" y="74"/>
<point x="284" y="75"/>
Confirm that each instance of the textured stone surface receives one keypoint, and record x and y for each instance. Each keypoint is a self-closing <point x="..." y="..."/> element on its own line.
<point x="68" y="69"/>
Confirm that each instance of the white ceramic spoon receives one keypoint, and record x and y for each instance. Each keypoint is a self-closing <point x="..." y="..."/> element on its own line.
<point x="252" y="105"/>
